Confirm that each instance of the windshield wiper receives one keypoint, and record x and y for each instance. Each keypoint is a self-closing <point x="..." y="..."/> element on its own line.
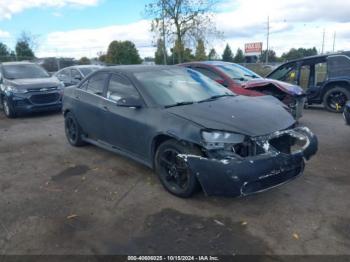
<point x="252" y="76"/>
<point x="214" y="98"/>
<point x="180" y="104"/>
<point x="239" y="78"/>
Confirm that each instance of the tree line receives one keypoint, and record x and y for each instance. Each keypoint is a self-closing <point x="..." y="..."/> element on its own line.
<point x="23" y="49"/>
<point x="180" y="26"/>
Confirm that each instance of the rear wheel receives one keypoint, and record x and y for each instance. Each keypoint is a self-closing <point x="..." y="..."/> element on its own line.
<point x="73" y="130"/>
<point x="8" y="110"/>
<point x="173" y="171"/>
<point x="335" y="99"/>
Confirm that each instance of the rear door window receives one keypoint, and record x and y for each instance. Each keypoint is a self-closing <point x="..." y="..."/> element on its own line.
<point x="76" y="75"/>
<point x="321" y="73"/>
<point x="64" y="74"/>
<point x="304" y="76"/>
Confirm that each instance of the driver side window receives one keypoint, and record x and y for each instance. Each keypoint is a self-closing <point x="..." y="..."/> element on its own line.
<point x="96" y="83"/>
<point x="119" y="88"/>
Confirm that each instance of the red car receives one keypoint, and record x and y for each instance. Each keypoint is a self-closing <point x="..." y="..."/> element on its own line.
<point x="243" y="81"/>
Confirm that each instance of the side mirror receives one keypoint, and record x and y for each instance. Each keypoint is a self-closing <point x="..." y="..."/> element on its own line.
<point x="130" y="102"/>
<point x="79" y="78"/>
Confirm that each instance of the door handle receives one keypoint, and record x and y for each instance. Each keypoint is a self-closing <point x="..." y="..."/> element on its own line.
<point x="105" y="108"/>
<point x="77" y="97"/>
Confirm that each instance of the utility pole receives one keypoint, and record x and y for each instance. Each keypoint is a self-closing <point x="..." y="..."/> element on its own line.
<point x="334" y="41"/>
<point x="324" y="34"/>
<point x="58" y="61"/>
<point x="163" y="29"/>
<point x="267" y="40"/>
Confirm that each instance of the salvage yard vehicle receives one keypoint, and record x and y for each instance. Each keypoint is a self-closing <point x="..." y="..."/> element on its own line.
<point x="72" y="75"/>
<point x="192" y="131"/>
<point x="26" y="87"/>
<point x="243" y="81"/>
<point x="346" y="113"/>
<point x="326" y="78"/>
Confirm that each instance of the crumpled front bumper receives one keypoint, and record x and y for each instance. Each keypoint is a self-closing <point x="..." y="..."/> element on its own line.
<point x="297" y="106"/>
<point x="244" y="176"/>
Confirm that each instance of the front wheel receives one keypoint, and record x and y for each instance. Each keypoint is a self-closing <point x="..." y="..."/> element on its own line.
<point x="8" y="110"/>
<point x="335" y="99"/>
<point x="173" y="170"/>
<point x="73" y="130"/>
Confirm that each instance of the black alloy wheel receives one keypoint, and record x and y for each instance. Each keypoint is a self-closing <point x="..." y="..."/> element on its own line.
<point x="173" y="171"/>
<point x="8" y="110"/>
<point x="73" y="130"/>
<point x="335" y="99"/>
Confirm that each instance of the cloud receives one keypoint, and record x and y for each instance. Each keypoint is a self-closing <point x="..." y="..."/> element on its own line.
<point x="285" y="10"/>
<point x="57" y="14"/>
<point x="4" y="34"/>
<point x="298" y="23"/>
<point x="11" y="7"/>
<point x="88" y="42"/>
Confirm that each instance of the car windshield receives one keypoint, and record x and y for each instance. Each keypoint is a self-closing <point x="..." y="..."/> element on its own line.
<point x="24" y="71"/>
<point x="88" y="70"/>
<point x="237" y="72"/>
<point x="176" y="86"/>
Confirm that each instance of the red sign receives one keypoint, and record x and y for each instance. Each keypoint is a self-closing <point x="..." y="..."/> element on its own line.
<point x="253" y="47"/>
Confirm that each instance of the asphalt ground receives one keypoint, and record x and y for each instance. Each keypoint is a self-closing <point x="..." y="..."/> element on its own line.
<point x="57" y="199"/>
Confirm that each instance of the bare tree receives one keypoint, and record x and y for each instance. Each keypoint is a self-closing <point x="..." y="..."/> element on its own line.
<point x="30" y="39"/>
<point x="182" y="21"/>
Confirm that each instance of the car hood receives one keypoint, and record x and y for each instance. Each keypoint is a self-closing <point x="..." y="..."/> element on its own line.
<point x="252" y="116"/>
<point x="34" y="83"/>
<point x="286" y="87"/>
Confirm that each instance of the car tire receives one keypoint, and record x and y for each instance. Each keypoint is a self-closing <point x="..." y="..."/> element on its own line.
<point x="8" y="109"/>
<point x="173" y="172"/>
<point x="335" y="99"/>
<point x="73" y="130"/>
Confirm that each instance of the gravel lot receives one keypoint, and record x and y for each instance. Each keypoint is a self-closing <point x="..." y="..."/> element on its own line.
<point x="56" y="199"/>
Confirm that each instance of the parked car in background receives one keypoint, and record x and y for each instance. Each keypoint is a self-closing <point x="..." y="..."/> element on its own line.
<point x="26" y="87"/>
<point x="74" y="74"/>
<point x="326" y="78"/>
<point x="243" y="81"/>
<point x="193" y="131"/>
<point x="346" y="113"/>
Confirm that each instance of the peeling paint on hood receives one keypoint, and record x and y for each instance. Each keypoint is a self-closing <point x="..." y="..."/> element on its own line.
<point x="252" y="116"/>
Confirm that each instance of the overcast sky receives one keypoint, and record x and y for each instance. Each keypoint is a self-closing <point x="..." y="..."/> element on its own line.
<point x="76" y="28"/>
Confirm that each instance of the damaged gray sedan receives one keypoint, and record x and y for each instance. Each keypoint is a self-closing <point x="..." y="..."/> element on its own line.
<point x="192" y="131"/>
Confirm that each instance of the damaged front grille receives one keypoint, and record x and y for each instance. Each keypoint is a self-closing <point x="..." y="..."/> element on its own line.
<point x="287" y="142"/>
<point x="241" y="150"/>
<point x="275" y="178"/>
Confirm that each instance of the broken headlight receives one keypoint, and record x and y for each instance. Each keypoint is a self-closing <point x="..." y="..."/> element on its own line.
<point x="220" y="140"/>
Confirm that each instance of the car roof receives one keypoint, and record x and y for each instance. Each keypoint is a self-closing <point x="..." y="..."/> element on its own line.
<point x="212" y="62"/>
<point x="139" y="68"/>
<point x="19" y="63"/>
<point x="81" y="66"/>
<point x="347" y="53"/>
